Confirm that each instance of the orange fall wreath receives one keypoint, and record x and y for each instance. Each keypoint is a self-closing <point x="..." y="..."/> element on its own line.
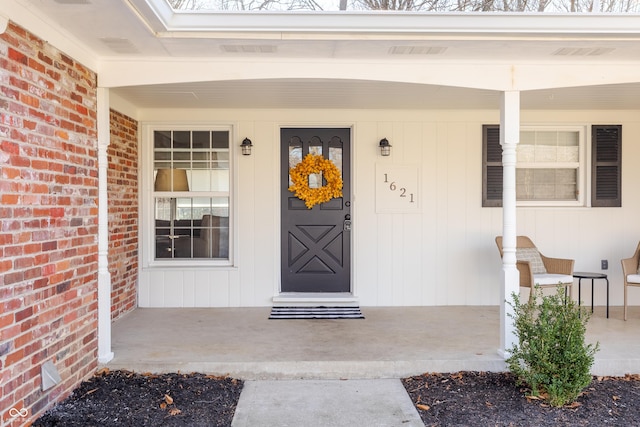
<point x="313" y="164"/>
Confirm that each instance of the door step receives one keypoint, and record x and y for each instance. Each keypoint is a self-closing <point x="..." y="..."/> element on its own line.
<point x="304" y="299"/>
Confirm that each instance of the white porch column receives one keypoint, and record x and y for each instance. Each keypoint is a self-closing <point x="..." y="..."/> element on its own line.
<point x="509" y="138"/>
<point x="104" y="277"/>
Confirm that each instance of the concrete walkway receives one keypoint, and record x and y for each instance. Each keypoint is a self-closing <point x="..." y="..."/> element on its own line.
<point x="325" y="403"/>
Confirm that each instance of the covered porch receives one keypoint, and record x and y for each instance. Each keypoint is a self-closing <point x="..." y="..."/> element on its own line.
<point x="391" y="342"/>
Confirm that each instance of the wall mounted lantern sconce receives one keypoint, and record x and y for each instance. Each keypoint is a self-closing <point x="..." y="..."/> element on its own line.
<point x="246" y="147"/>
<point x="385" y="147"/>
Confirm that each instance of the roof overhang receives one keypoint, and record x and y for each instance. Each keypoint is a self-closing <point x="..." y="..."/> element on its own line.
<point x="165" y="22"/>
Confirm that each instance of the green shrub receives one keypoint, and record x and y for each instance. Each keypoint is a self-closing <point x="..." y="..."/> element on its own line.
<point x="551" y="357"/>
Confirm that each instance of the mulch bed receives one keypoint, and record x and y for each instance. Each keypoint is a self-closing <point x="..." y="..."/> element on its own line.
<point x="122" y="398"/>
<point x="494" y="399"/>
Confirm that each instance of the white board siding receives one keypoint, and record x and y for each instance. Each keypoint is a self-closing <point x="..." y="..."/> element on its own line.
<point x="445" y="255"/>
<point x="162" y="287"/>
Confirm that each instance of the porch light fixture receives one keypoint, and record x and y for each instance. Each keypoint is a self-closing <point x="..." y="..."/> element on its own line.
<point x="385" y="147"/>
<point x="246" y="147"/>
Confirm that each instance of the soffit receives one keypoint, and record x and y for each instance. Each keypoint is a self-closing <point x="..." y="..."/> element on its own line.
<point x="124" y="29"/>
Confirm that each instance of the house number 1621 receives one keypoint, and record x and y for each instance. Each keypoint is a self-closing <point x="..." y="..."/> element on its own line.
<point x="397" y="188"/>
<point x="402" y="190"/>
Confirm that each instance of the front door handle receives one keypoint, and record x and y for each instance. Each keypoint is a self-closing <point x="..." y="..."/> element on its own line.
<point x="347" y="223"/>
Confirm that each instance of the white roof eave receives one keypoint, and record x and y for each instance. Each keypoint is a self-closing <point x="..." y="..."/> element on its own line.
<point x="169" y="23"/>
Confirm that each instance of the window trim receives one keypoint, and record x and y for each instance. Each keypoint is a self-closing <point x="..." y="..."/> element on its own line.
<point x="583" y="171"/>
<point x="147" y="216"/>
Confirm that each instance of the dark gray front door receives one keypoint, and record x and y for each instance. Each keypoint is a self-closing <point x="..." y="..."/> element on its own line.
<point x="315" y="242"/>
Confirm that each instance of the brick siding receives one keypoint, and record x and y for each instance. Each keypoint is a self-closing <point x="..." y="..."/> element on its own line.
<point x="123" y="214"/>
<point x="48" y="222"/>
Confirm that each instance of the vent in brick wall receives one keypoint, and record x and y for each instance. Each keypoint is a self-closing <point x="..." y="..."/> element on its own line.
<point x="50" y="375"/>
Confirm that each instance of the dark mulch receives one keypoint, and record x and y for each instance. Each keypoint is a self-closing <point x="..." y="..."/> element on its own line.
<point x="122" y="398"/>
<point x="494" y="399"/>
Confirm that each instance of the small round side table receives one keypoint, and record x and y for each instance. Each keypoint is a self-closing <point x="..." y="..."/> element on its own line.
<point x="593" y="276"/>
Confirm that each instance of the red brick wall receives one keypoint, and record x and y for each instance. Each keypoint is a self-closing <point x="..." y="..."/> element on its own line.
<point x="48" y="222"/>
<point x="123" y="214"/>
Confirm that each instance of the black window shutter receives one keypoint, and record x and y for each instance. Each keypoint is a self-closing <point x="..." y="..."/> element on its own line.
<point x="491" y="166"/>
<point x="606" y="165"/>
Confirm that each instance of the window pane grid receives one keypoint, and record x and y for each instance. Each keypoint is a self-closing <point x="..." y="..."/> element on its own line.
<point x="548" y="165"/>
<point x="194" y="223"/>
<point x="548" y="147"/>
<point x="546" y="184"/>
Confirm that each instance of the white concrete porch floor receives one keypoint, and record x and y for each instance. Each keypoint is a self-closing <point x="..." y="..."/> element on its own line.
<point x="389" y="343"/>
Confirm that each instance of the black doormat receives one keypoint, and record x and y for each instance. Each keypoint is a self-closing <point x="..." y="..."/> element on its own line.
<point x="316" y="313"/>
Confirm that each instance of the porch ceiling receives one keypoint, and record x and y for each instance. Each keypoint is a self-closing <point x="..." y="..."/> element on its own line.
<point x="315" y="93"/>
<point x="122" y="29"/>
